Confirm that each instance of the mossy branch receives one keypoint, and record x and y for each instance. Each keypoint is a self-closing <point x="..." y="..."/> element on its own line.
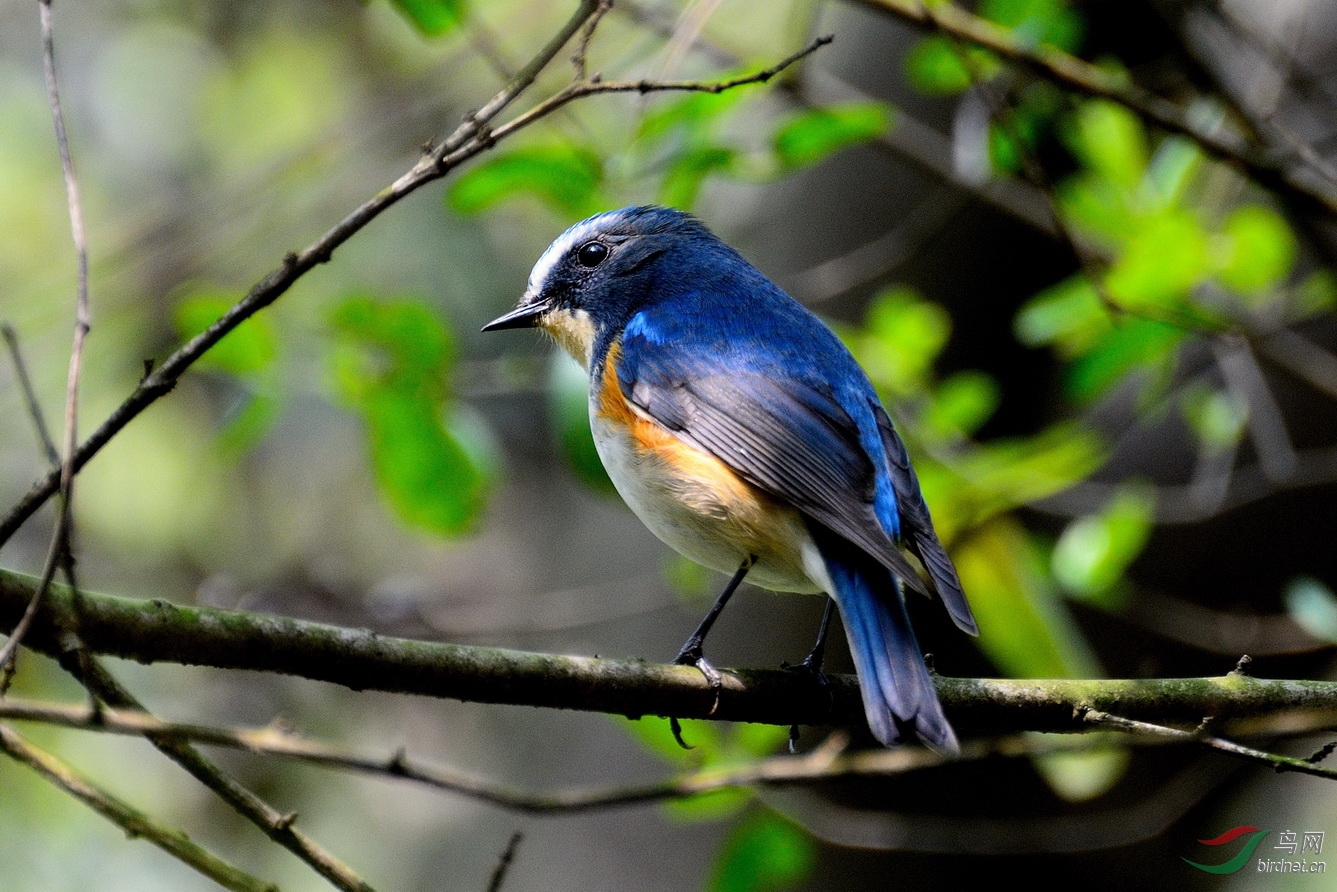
<point x="158" y="631"/>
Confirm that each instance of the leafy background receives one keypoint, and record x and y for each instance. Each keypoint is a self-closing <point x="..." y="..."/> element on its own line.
<point x="1129" y="449"/>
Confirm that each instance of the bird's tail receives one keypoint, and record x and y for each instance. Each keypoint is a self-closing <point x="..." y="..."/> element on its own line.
<point x="897" y="688"/>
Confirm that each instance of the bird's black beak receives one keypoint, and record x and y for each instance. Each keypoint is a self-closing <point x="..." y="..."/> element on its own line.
<point x="523" y="316"/>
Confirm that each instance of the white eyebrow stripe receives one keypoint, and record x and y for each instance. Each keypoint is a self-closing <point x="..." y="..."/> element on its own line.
<point x="581" y="232"/>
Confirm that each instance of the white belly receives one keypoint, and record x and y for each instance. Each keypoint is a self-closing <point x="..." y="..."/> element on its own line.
<point x="691" y="515"/>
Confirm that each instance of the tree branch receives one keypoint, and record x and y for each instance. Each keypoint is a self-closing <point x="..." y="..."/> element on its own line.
<point x="157" y="631"/>
<point x="131" y="820"/>
<point x="1075" y="74"/>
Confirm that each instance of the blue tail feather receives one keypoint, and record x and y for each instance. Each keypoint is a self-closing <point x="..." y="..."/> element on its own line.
<point x="898" y="691"/>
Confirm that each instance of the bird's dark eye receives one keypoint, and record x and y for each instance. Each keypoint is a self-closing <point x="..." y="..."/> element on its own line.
<point x="592" y="254"/>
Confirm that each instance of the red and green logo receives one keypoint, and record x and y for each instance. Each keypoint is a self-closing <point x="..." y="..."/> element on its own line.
<point x="1241" y="857"/>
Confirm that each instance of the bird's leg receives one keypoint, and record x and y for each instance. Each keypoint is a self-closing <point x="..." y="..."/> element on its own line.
<point x="691" y="654"/>
<point x="812" y="664"/>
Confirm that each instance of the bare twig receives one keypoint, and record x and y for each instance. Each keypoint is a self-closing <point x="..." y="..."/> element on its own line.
<point x="30" y="396"/>
<point x="504" y="862"/>
<point x="60" y="536"/>
<point x="131" y="820"/>
<point x="1275" y="761"/>
<point x="276" y="825"/>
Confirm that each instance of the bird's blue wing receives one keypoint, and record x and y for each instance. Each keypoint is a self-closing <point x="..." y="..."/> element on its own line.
<point x="775" y="422"/>
<point x="917" y="528"/>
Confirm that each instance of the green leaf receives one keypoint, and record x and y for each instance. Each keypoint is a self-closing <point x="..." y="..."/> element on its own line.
<point x="249" y="424"/>
<point x="1133" y="345"/>
<point x="1216" y="416"/>
<point x="808" y="136"/>
<point x="422" y="470"/>
<point x="390" y="363"/>
<point x="1084" y="775"/>
<point x="935" y="66"/>
<point x="1110" y="140"/>
<point x="961" y="404"/>
<point x="1002" y="474"/>
<point x="1164" y="260"/>
<point x="902" y="336"/>
<point x="1313" y="607"/>
<point x="431" y="17"/>
<point x="565" y="177"/>
<point x="1260" y="250"/>
<point x="1093" y="553"/>
<point x="1317" y="294"/>
<point x="1068" y="316"/>
<point x="1024" y="628"/>
<point x="693" y="114"/>
<point x="1035" y="22"/>
<point x="245" y="351"/>
<point x="763" y="853"/>
<point x="687" y="171"/>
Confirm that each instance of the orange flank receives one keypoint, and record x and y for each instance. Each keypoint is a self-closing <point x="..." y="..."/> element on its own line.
<point x="718" y="502"/>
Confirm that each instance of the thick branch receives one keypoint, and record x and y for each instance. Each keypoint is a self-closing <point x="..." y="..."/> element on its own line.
<point x="158" y="631"/>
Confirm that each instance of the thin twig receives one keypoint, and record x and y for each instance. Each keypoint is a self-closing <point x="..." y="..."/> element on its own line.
<point x="473" y="137"/>
<point x="504" y="862"/>
<point x="30" y="396"/>
<point x="1275" y="761"/>
<point x="134" y="822"/>
<point x="60" y="536"/>
<point x="276" y="825"/>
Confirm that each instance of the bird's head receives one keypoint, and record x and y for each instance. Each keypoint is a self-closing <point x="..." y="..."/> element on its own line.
<point x="598" y="273"/>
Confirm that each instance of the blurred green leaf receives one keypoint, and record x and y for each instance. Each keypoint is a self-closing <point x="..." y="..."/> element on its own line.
<point x="934" y="65"/>
<point x="763" y="853"/>
<point x="691" y="115"/>
<point x="569" y="390"/>
<point x="391" y="363"/>
<point x="566" y="177"/>
<point x="1216" y="416"/>
<point x="901" y="337"/>
<point x="809" y="136"/>
<point x="431" y="17"/>
<point x="1036" y="22"/>
<point x="1110" y="140"/>
<point x="1313" y="606"/>
<point x="246" y="350"/>
<point x="1132" y="344"/>
<point x="1093" y="553"/>
<point x="1024" y="628"/>
<point x="1317" y="294"/>
<point x="1260" y="250"/>
<point x="1164" y="259"/>
<point x="1068" y="316"/>
<point x="1002" y="474"/>
<point x="248" y="425"/>
<point x="693" y="582"/>
<point x="961" y="404"/>
<point x="687" y="171"/>
<point x="1172" y="171"/>
<point x="1082" y="776"/>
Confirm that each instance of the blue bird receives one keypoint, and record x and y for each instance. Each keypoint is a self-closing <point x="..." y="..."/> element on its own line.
<point x="741" y="431"/>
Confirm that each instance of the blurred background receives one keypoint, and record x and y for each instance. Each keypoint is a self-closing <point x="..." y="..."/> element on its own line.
<point x="1111" y="356"/>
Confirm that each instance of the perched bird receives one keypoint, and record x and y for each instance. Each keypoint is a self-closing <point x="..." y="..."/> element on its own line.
<point x="742" y="432"/>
